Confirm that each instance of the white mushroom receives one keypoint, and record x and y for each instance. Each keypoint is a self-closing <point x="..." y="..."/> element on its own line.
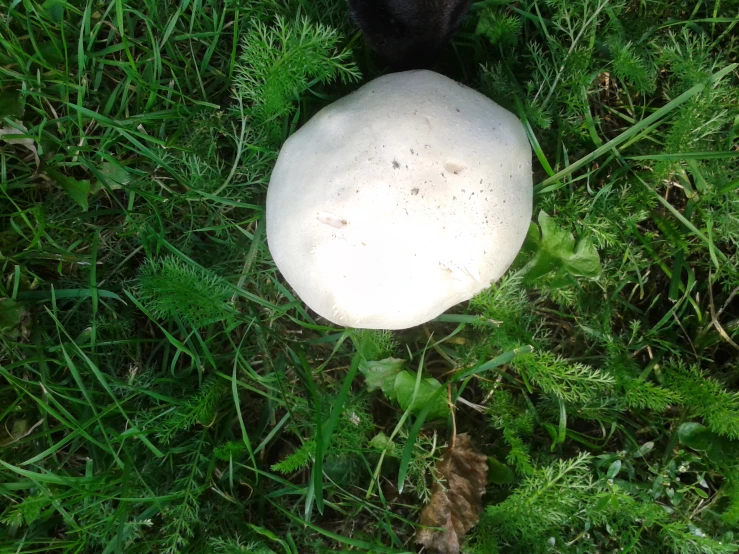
<point x="399" y="201"/>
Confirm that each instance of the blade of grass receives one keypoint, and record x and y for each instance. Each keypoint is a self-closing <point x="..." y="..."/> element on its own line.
<point x="680" y="217"/>
<point x="545" y="186"/>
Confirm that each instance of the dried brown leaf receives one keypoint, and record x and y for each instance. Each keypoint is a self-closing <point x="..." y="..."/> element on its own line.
<point x="456" y="499"/>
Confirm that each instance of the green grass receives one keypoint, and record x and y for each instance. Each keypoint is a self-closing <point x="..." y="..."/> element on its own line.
<point x="163" y="390"/>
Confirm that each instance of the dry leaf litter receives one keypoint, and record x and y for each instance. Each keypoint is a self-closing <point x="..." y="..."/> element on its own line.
<point x="456" y="499"/>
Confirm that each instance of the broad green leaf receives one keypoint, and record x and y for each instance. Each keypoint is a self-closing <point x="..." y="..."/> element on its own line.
<point x="54" y="9"/>
<point x="613" y="469"/>
<point x="50" y="52"/>
<point x="499" y="473"/>
<point x="11" y="104"/>
<point x="559" y="242"/>
<point x="695" y="436"/>
<point x="382" y="442"/>
<point x="602" y="502"/>
<point x="643" y="450"/>
<point x="77" y="190"/>
<point x="585" y="262"/>
<point x="533" y="239"/>
<point x="115" y="175"/>
<point x="13" y="319"/>
<point x="718" y="449"/>
<point x="556" y="250"/>
<point x="20" y="426"/>
<point x="381" y="375"/>
<point x="405" y="384"/>
<point x="11" y="313"/>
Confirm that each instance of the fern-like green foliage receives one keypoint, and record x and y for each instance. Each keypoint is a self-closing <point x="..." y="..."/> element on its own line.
<point x="561" y="66"/>
<point x="630" y="66"/>
<point x="426" y="454"/>
<point x="504" y="306"/>
<point x="376" y="344"/>
<point x="548" y="499"/>
<point x="692" y="61"/>
<point x="689" y="539"/>
<point x="181" y="518"/>
<point x="235" y="546"/>
<point x="515" y="421"/>
<point x="559" y="71"/>
<point x="647" y="395"/>
<point x="705" y="397"/>
<point x="731" y="490"/>
<point x="635" y="391"/>
<point x="230" y="451"/>
<point x="499" y="28"/>
<point x="297" y="460"/>
<point x="281" y="61"/>
<point x="570" y="382"/>
<point x="200" y="408"/>
<point x="26" y="512"/>
<point x="565" y="507"/>
<point x="171" y="288"/>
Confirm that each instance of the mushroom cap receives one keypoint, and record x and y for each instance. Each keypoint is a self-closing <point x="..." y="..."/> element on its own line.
<point x="400" y="200"/>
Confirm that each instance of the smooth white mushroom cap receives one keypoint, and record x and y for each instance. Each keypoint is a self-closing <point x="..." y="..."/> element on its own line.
<point x="399" y="201"/>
